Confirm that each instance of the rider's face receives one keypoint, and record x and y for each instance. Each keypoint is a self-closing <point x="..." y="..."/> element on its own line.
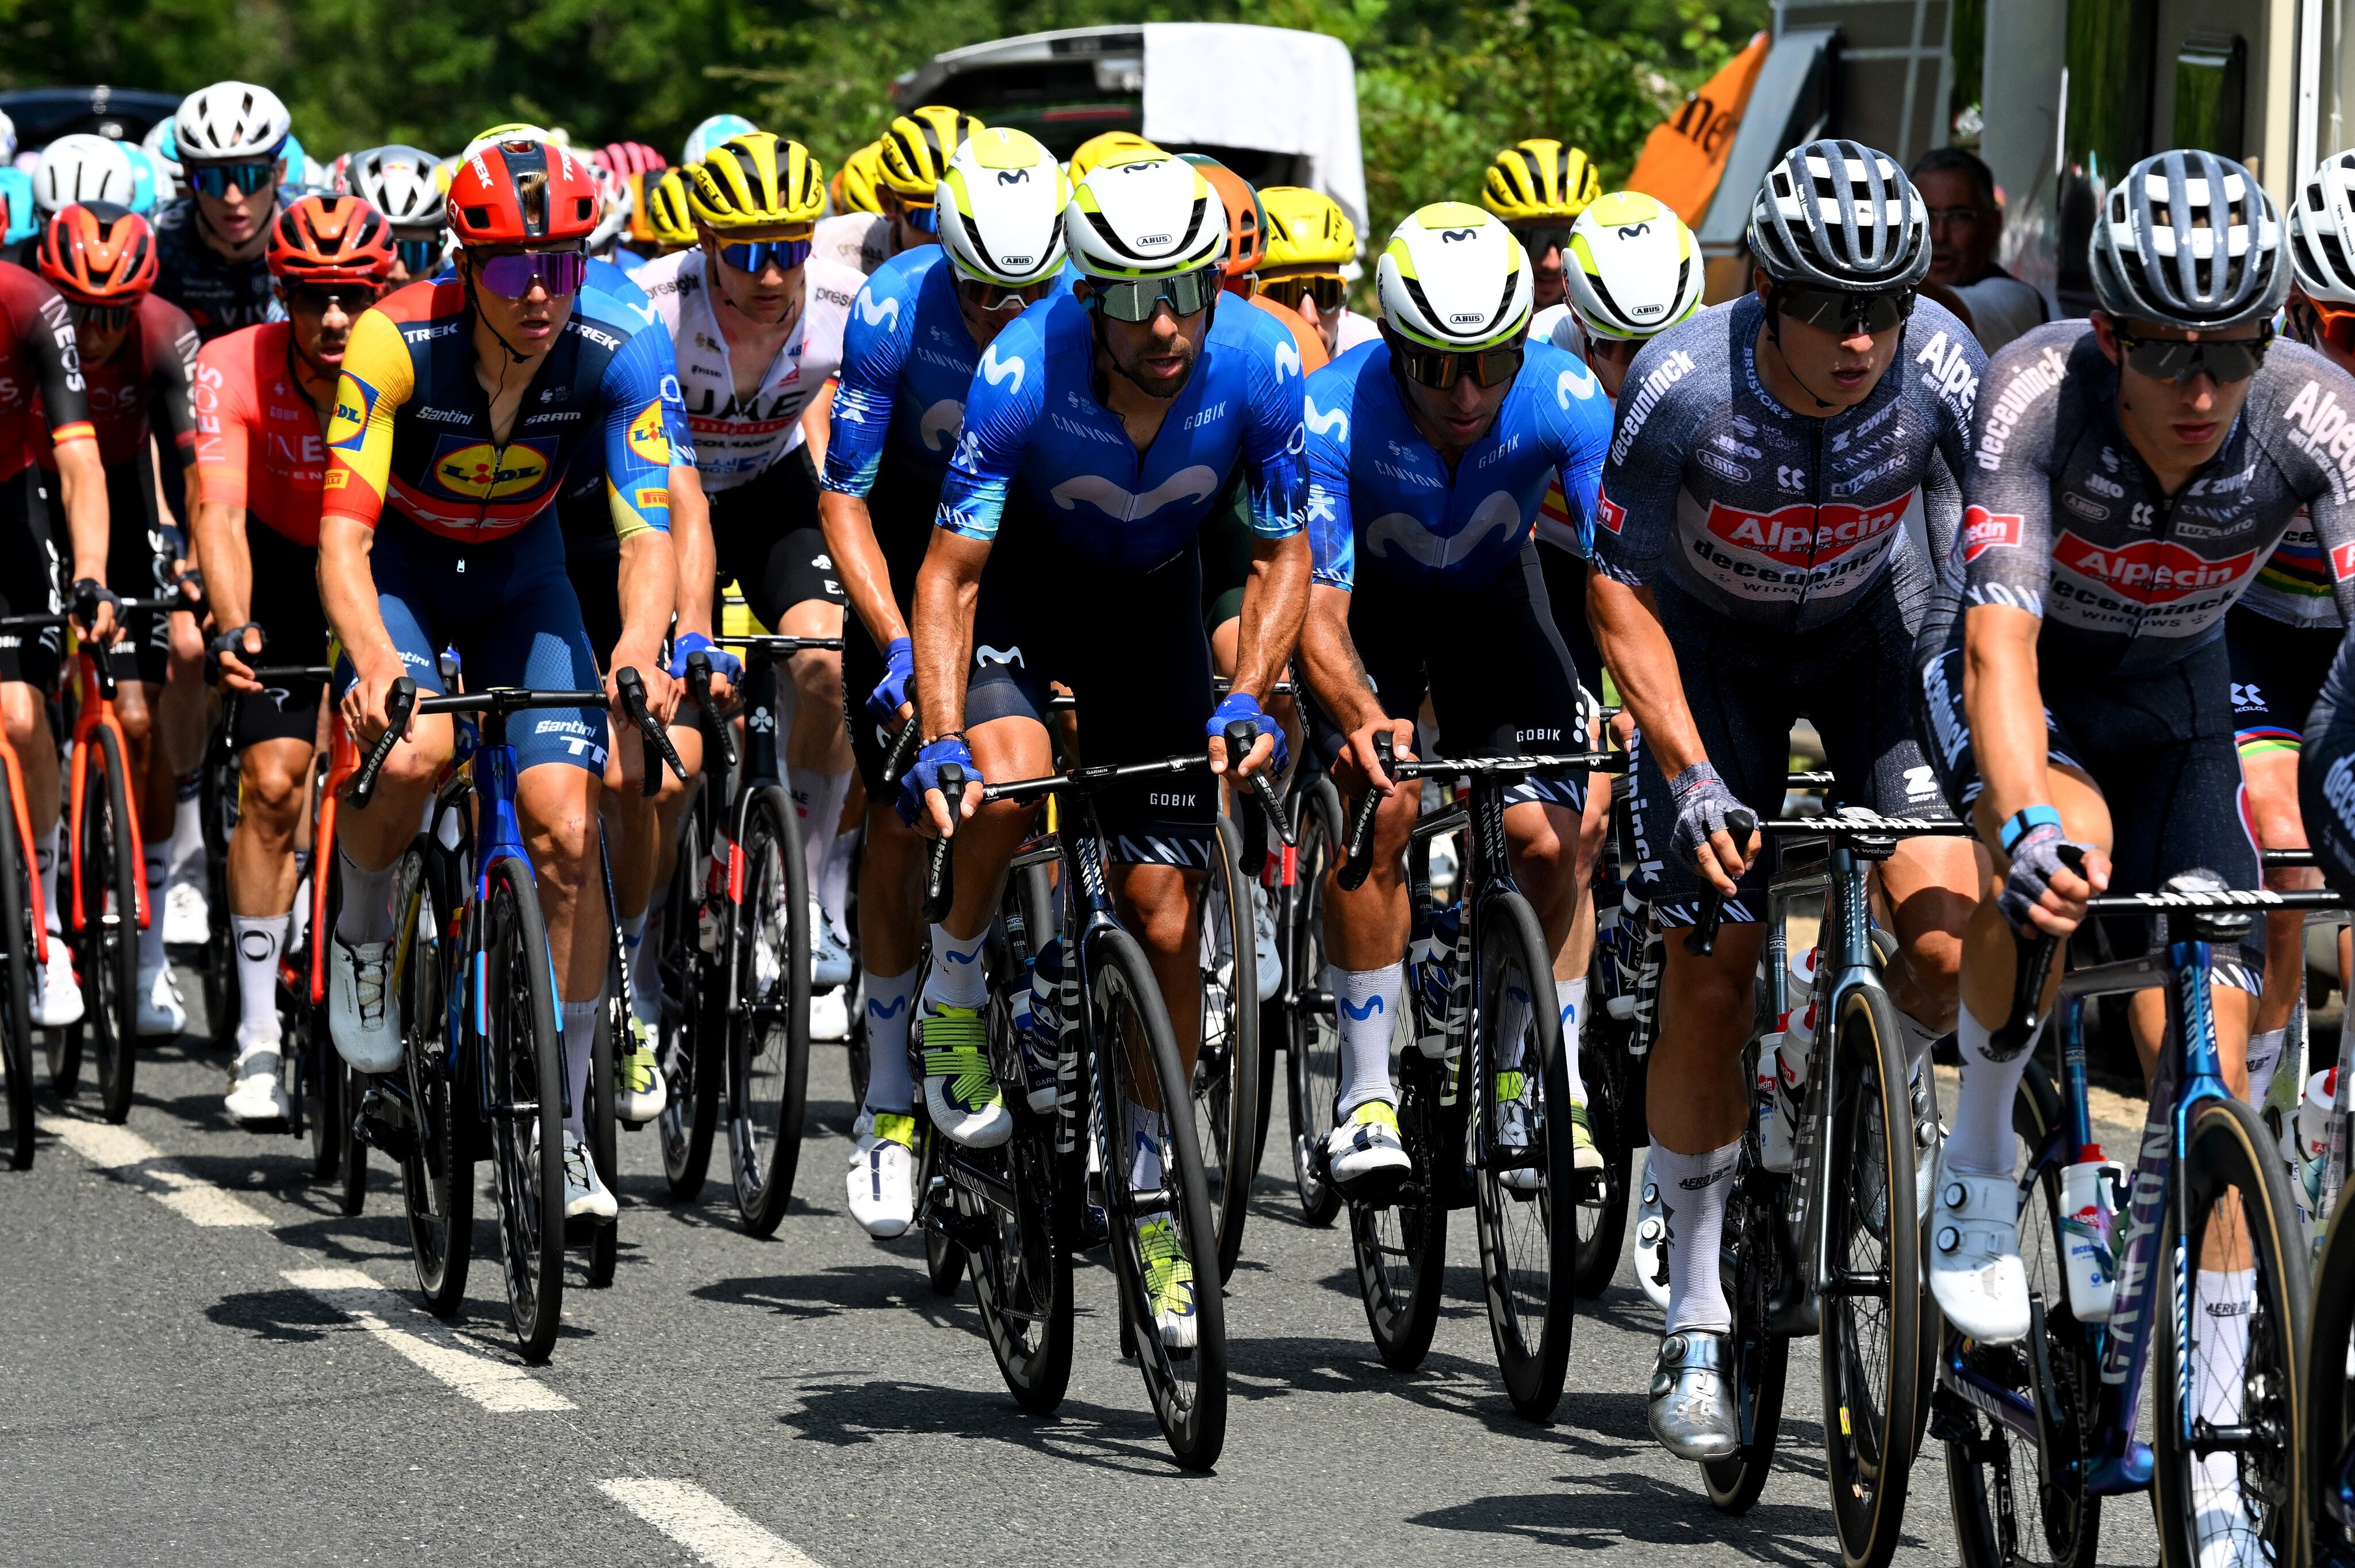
<point x="321" y="321"/>
<point x="1836" y="367"/>
<point x="529" y="325"/>
<point x="1609" y="358"/>
<point x="1156" y="355"/>
<point x="764" y="297"/>
<point x="238" y="215"/>
<point x="1460" y="414"/>
<point x="2175" y="423"/>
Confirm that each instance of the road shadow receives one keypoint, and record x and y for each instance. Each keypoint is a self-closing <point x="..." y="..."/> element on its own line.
<point x="287" y="1317"/>
<point x="845" y="1287"/>
<point x="849" y="1413"/>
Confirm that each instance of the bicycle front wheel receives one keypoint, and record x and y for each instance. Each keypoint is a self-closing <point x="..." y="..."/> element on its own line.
<point x="217" y="801"/>
<point x="1752" y="1268"/>
<point x="612" y="1027"/>
<point x="1312" y="1047"/>
<point x="768" y="1033"/>
<point x="1401" y="1245"/>
<point x="691" y="1033"/>
<point x="2331" y="1393"/>
<point x="1226" y="1068"/>
<point x="16" y="999"/>
<point x="1601" y="1047"/>
<point x="107" y="942"/>
<point x="437" y="1179"/>
<point x="526" y="1058"/>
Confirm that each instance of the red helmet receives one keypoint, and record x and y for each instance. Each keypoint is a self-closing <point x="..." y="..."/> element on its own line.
<point x="99" y="254"/>
<point x="331" y="240"/>
<point x="488" y="204"/>
<point x="627" y="158"/>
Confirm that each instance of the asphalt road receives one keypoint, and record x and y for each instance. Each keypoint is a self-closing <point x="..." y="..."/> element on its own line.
<point x="205" y="1364"/>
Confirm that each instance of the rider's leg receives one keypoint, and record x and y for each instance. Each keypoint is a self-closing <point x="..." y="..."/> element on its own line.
<point x="637" y="822"/>
<point x="817" y="757"/>
<point x="273" y="779"/>
<point x="556" y="803"/>
<point x="1926" y="891"/>
<point x="1707" y="1007"/>
<point x="25" y="711"/>
<point x="2270" y="770"/>
<point x="183" y="718"/>
<point x="1555" y="873"/>
<point x="890" y="884"/>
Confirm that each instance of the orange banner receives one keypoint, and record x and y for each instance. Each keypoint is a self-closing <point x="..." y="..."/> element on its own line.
<point x="1684" y="155"/>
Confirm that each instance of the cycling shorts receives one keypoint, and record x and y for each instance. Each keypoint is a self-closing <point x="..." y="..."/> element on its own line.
<point x="1130" y="646"/>
<point x="1565" y="581"/>
<point x="143" y="555"/>
<point x="1501" y="683"/>
<point x="285" y="603"/>
<point x="901" y="506"/>
<point x="509" y="608"/>
<point x="2277" y="673"/>
<point x="1746" y="686"/>
<point x="28" y="581"/>
<point x="766" y="533"/>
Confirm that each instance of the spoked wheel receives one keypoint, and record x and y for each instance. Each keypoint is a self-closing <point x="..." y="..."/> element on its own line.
<point x="1872" y="1295"/>
<point x="1157" y="1203"/>
<point x="2330" y="1395"/>
<point x="1525" y="1175"/>
<point x="768" y="1039"/>
<point x="2235" y="1491"/>
<point x="691" y="1037"/>
<point x="612" y="1027"/>
<point x="437" y="1179"/>
<point x="216" y="807"/>
<point x="1602" y="1048"/>
<point x="325" y="1112"/>
<point x="17" y="996"/>
<point x="2013" y="1504"/>
<point x="1402" y="1247"/>
<point x="1225" y="1069"/>
<point x="1312" y="1047"/>
<point x="524" y="1056"/>
<point x="106" y="943"/>
<point x="1752" y="1267"/>
<point x="351" y="1186"/>
<point x="943" y="1258"/>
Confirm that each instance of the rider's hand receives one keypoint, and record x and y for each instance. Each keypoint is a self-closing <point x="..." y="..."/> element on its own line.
<point x="889" y="700"/>
<point x="363" y="706"/>
<point x="1268" y="752"/>
<point x="94" y="611"/>
<point x="1358" y="757"/>
<point x="661" y="692"/>
<point x="231" y="655"/>
<point x="1699" y="838"/>
<point x="921" y="804"/>
<point x="2041" y="894"/>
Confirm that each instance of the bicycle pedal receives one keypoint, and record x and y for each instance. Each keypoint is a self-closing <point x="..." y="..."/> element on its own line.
<point x="1379" y="1189"/>
<point x="632" y="1126"/>
<point x="382" y="1125"/>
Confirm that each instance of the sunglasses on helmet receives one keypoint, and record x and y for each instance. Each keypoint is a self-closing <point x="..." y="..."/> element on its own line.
<point x="1326" y="287"/>
<point x="512" y="274"/>
<point x="101" y="318"/>
<point x="756" y="255"/>
<point x="1441" y="368"/>
<point x="214" y="179"/>
<point x="990" y="298"/>
<point x="2180" y="359"/>
<point x="1834" y="310"/>
<point x="1136" y="300"/>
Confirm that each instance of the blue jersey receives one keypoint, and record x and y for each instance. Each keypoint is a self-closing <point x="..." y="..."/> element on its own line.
<point x="610" y="296"/>
<point x="1377" y="485"/>
<point x="1040" y="451"/>
<point x="907" y="359"/>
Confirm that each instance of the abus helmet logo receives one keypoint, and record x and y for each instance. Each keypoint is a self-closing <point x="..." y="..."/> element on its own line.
<point x="1013" y="176"/>
<point x="1153" y="240"/>
<point x="1014" y="261"/>
<point x="1465" y="318"/>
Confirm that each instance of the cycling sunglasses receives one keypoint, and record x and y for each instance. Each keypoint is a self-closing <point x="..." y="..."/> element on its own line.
<point x="313" y="299"/>
<point x="418" y="258"/>
<point x="1136" y="300"/>
<point x="1440" y="368"/>
<point x="755" y="255"/>
<point x="1834" y="310"/>
<point x="923" y="216"/>
<point x="991" y="298"/>
<point x="1326" y="287"/>
<point x="102" y="318"/>
<point x="512" y="274"/>
<point x="1537" y="239"/>
<point x="1620" y="351"/>
<point x="214" y="179"/>
<point x="2179" y="359"/>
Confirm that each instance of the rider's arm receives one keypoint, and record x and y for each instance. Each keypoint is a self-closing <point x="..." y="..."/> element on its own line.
<point x="637" y="493"/>
<point x="50" y="343"/>
<point x="691" y="547"/>
<point x="225" y="440"/>
<point x="814" y="423"/>
<point x="2327" y="486"/>
<point x="1328" y="656"/>
<point x="376" y="379"/>
<point x="172" y="359"/>
<point x="1276" y="594"/>
<point x="873" y="352"/>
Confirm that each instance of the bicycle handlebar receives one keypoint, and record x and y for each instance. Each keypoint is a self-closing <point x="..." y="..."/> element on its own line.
<point x="1357" y="863"/>
<point x="400" y="704"/>
<point x="698" y="681"/>
<point x="903" y="752"/>
<point x="1240" y="738"/>
<point x="784" y="645"/>
<point x="659" y="751"/>
<point x="1702" y="941"/>
<point x="940" y="873"/>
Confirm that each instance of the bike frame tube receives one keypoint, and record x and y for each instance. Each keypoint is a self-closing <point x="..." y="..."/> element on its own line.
<point x="94" y="708"/>
<point x="344" y="760"/>
<point x="24" y="821"/>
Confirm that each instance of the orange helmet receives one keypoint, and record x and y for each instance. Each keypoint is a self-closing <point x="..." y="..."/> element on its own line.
<point x="487" y="199"/>
<point x="1246" y="218"/>
<point x="99" y="254"/>
<point x="331" y="240"/>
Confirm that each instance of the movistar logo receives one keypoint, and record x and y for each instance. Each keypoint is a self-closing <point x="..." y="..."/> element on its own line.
<point x="1333" y="422"/>
<point x="1373" y="1006"/>
<point x="1452" y="235"/>
<point x="1196" y="481"/>
<point x="877" y="313"/>
<point x="1013" y="176"/>
<point x="1634" y="231"/>
<point x="875" y="1009"/>
<point x="953" y="956"/>
<point x="998" y="370"/>
<point x="1287" y="358"/>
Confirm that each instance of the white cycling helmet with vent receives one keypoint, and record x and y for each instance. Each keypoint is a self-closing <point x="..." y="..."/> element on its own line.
<point x="1634" y="268"/>
<point x="2188" y="240"/>
<point x="7" y="140"/>
<point x="399" y="182"/>
<point x="1001" y="204"/>
<point x="1838" y="215"/>
<point x="231" y="121"/>
<point x="83" y="168"/>
<point x="1145" y="216"/>
<point x="1454" y="277"/>
<point x="2322" y="231"/>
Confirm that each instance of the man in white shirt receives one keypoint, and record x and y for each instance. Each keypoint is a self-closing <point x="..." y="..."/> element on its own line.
<point x="1965" y="229"/>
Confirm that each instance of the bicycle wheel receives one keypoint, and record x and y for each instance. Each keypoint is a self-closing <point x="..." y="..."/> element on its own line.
<point x="525" y="1056"/>
<point x="1226" y="1068"/>
<point x="1312" y="1047"/>
<point x="351" y="1185"/>
<point x="17" y="995"/>
<point x="1136" y="1054"/>
<point x="768" y="1033"/>
<point x="1402" y="1247"/>
<point x="437" y="1179"/>
<point x="2330" y="1392"/>
<point x="943" y="1258"/>
<point x="1602" y="1046"/>
<point x="2014" y="1504"/>
<point x="2234" y="1488"/>
<point x="1527" y="1261"/>
<point x="1751" y="1267"/>
<point x="691" y="1036"/>
<point x="216" y="804"/>
<point x="321" y="1074"/>
<point x="613" y="1026"/>
<point x="107" y="942"/>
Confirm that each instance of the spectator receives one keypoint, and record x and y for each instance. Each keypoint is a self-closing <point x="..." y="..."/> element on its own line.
<point x="1966" y="227"/>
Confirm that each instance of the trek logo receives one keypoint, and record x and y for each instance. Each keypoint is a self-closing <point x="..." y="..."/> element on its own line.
<point x="1373" y="1006"/>
<point x="1983" y="530"/>
<point x="1803" y="535"/>
<point x="2149" y="571"/>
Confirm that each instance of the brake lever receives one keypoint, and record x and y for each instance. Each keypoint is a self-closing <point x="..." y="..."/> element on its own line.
<point x="400" y="702"/>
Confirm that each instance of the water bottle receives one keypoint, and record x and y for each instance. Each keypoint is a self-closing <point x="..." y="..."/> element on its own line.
<point x="1776" y="1142"/>
<point x="2089" y="1207"/>
<point x="2313" y="1123"/>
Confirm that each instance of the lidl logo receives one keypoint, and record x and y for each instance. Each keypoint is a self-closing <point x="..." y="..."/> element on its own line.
<point x="481" y="472"/>
<point x="355" y="402"/>
<point x="647" y="437"/>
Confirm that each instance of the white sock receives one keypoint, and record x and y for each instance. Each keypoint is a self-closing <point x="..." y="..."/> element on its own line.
<point x="367" y="913"/>
<point x="954" y="978"/>
<point x="1693" y="1189"/>
<point x="259" y="937"/>
<point x="818" y="798"/>
<point x="890" y="999"/>
<point x="1144" y="1169"/>
<point x="2265" y="1055"/>
<point x="157" y="868"/>
<point x="2223" y="1301"/>
<point x="633" y="940"/>
<point x="47" y="852"/>
<point x="1369" y="1000"/>
<point x="1981" y="1141"/>
<point x="187" y="843"/>
<point x="1571" y="994"/>
<point x="579" y="1045"/>
<point x="833" y="882"/>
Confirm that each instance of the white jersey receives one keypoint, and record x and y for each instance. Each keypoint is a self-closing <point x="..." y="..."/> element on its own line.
<point x="1354" y="330"/>
<point x="735" y="442"/>
<point x="859" y="241"/>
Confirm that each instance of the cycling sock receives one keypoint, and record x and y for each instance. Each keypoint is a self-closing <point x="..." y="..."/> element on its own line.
<point x="1693" y="1189"/>
<point x="634" y="939"/>
<point x="157" y="868"/>
<point x="889" y="999"/>
<point x="818" y="798"/>
<point x="1144" y="1170"/>
<point x="2265" y="1056"/>
<point x="1571" y="994"/>
<point x="580" y="1043"/>
<point x="2224" y="1300"/>
<point x="367" y="914"/>
<point x="188" y="842"/>
<point x="1981" y="1141"/>
<point x="47" y="851"/>
<point x="259" y="937"/>
<point x="955" y="978"/>
<point x="833" y="882"/>
<point x="1368" y="1000"/>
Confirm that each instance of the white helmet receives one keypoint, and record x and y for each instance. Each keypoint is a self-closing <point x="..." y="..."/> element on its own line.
<point x="7" y="140"/>
<point x="614" y="207"/>
<point x="2322" y="232"/>
<point x="231" y="120"/>
<point x="83" y="168"/>
<point x="399" y="182"/>
<point x="1145" y="216"/>
<point x="1001" y="206"/>
<point x="1634" y="268"/>
<point x="1454" y="277"/>
<point x="714" y="129"/>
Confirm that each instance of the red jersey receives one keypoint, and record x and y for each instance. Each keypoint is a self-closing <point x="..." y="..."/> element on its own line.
<point x="142" y="387"/>
<point x="40" y="371"/>
<point x="260" y="443"/>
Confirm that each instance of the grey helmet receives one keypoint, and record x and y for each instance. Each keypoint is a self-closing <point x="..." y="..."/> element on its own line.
<point x="2188" y="240"/>
<point x="1836" y="214"/>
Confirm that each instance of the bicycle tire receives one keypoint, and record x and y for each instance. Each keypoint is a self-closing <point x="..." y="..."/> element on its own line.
<point x="437" y="1179"/>
<point x="1872" y="1371"/>
<point x="603" y="1126"/>
<point x="1754" y="1212"/>
<point x="216" y="811"/>
<point x="768" y="1030"/>
<point x="107" y="948"/>
<point x="17" y="1000"/>
<point x="2330" y="1391"/>
<point x="1226" y="1070"/>
<point x="351" y="1163"/>
<point x="1527" y="1262"/>
<point x="525" y="1056"/>
<point x="2227" y="1150"/>
<point x="943" y="1258"/>
<point x="1312" y="1049"/>
<point x="1603" y="1196"/>
<point x="1402" y="1299"/>
<point x="1129" y="1017"/>
<point x="691" y="1036"/>
<point x="323" y="1072"/>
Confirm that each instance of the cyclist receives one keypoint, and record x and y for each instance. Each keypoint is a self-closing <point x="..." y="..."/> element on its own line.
<point x="669" y="224"/>
<point x="232" y="140"/>
<point x="911" y="156"/>
<point x="84" y="168"/>
<point x="1757" y="561"/>
<point x="856" y="186"/>
<point x="399" y="182"/>
<point x="138" y="354"/>
<point x="1309" y="240"/>
<point x="42" y="392"/>
<point x="1098" y="434"/>
<point x="264" y="397"/>
<point x="436" y="528"/>
<point x="756" y="321"/>
<point x="1540" y="186"/>
<point x="922" y="321"/>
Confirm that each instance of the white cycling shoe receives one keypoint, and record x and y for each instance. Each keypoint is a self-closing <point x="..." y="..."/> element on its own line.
<point x="1975" y="1268"/>
<point x="1366" y="1146"/>
<point x="256" y="1097"/>
<point x="830" y="953"/>
<point x="585" y="1196"/>
<point x="830" y="1014"/>
<point x="1263" y="944"/>
<point x="187" y="914"/>
<point x="360" y="1015"/>
<point x="162" y="1014"/>
<point x="883" y="1172"/>
<point x="60" y="1004"/>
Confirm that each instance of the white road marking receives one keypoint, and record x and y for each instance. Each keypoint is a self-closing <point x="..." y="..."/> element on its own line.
<point x="705" y="1525"/>
<point x="498" y="1386"/>
<point x="139" y="1162"/>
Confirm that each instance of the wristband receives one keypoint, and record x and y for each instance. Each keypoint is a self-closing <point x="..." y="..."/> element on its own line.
<point x="2021" y="822"/>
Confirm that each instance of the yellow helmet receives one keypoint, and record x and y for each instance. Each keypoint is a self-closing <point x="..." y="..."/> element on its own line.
<point x="756" y="180"/>
<point x="1537" y="179"/>
<point x="668" y="222"/>
<point x="916" y="150"/>
<point x="854" y="183"/>
<point x="1097" y="151"/>
<point x="1306" y="228"/>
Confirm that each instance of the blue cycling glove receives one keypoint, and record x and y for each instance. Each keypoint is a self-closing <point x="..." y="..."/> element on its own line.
<point x="724" y="664"/>
<point x="899" y="672"/>
<point x="1243" y="705"/>
<point x="923" y="776"/>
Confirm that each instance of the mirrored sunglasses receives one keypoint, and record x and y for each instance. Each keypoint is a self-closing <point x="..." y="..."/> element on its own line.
<point x="512" y="275"/>
<point x="214" y="179"/>
<point x="1834" y="310"/>
<point x="1440" y="369"/>
<point x="2177" y="359"/>
<point x="756" y="255"/>
<point x="1134" y="300"/>
<point x="1326" y="289"/>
